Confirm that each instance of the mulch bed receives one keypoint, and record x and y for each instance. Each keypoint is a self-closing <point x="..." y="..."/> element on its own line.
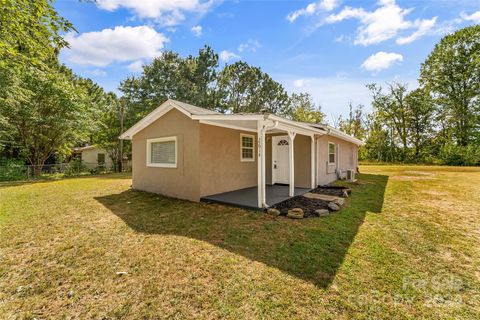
<point x="332" y="190"/>
<point x="310" y="205"/>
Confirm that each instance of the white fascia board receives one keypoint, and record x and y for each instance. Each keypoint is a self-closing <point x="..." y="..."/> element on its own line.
<point x="296" y="126"/>
<point x="288" y="128"/>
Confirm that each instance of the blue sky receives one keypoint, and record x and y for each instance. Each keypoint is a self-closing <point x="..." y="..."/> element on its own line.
<point x="329" y="48"/>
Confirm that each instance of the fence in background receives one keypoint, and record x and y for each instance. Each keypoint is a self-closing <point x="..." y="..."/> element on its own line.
<point x="16" y="172"/>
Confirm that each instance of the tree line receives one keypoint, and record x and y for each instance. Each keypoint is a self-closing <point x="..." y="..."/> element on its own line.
<point x="439" y="122"/>
<point x="46" y="109"/>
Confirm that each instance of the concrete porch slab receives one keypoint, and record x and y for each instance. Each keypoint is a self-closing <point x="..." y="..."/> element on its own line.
<point x="247" y="198"/>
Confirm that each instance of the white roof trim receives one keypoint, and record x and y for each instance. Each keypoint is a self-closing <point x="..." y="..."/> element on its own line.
<point x="342" y="135"/>
<point x="302" y="128"/>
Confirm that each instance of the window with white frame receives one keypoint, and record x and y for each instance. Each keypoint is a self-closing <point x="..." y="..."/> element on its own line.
<point x="247" y="146"/>
<point x="162" y="152"/>
<point x="331" y="153"/>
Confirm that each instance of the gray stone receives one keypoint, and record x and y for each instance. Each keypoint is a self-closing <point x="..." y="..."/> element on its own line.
<point x="322" y="212"/>
<point x="295" y="213"/>
<point x="345" y="194"/>
<point x="273" y="212"/>
<point x="332" y="206"/>
<point x="339" y="202"/>
<point x="320" y="196"/>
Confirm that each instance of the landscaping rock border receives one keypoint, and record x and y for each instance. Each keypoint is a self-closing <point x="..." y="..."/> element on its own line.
<point x="310" y="205"/>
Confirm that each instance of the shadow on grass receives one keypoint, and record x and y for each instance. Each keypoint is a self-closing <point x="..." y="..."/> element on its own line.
<point x="311" y="249"/>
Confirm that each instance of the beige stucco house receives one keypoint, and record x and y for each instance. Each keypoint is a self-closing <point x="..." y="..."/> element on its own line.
<point x="253" y="160"/>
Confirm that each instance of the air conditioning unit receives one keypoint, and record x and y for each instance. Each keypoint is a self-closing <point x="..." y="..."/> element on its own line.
<point x="351" y="175"/>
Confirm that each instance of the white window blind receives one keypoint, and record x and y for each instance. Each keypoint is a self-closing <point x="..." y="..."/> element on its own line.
<point x="162" y="152"/>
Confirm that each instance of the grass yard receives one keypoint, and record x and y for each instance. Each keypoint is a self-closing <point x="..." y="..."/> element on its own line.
<point x="407" y="245"/>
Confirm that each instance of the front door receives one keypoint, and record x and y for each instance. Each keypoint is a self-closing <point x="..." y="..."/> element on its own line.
<point x="280" y="167"/>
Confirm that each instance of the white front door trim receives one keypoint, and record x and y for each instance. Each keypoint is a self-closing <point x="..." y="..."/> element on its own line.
<point x="275" y="159"/>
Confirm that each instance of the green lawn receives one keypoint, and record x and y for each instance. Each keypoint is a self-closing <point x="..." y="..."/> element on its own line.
<point x="407" y="245"/>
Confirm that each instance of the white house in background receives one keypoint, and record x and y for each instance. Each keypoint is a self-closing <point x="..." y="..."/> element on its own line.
<point x="93" y="156"/>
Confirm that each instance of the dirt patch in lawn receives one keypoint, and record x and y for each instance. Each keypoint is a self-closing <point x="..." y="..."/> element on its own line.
<point x="412" y="178"/>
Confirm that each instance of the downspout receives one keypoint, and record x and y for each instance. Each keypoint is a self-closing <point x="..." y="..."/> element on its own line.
<point x="262" y="134"/>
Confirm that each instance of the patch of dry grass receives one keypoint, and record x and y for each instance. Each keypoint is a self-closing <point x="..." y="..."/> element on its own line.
<point x="92" y="248"/>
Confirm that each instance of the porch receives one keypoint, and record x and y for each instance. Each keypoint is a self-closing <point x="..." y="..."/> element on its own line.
<point x="247" y="197"/>
<point x="282" y="152"/>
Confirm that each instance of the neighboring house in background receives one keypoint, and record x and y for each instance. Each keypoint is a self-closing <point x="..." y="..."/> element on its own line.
<point x="93" y="156"/>
<point x="188" y="152"/>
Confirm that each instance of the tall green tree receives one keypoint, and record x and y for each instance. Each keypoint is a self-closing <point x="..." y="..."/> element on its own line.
<point x="354" y="125"/>
<point x="111" y="125"/>
<point x="48" y="117"/>
<point x="420" y="115"/>
<point x="391" y="108"/>
<point x="169" y="76"/>
<point x="303" y="108"/>
<point x="244" y="88"/>
<point x="30" y="33"/>
<point x="451" y="75"/>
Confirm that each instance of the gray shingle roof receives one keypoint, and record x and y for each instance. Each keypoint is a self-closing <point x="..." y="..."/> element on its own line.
<point x="193" y="109"/>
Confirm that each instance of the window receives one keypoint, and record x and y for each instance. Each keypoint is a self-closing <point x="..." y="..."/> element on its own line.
<point x="101" y="158"/>
<point x="247" y="146"/>
<point x="331" y="152"/>
<point x="162" y="152"/>
<point x="282" y="142"/>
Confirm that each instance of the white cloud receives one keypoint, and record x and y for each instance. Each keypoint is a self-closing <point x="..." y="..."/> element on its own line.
<point x="299" y="83"/>
<point x="251" y="45"/>
<point x="121" y="44"/>
<point x="97" y="72"/>
<point x="135" y="66"/>
<point x="166" y="12"/>
<point x="381" y="60"/>
<point x="197" y="31"/>
<point x="475" y="17"/>
<point x="386" y="22"/>
<point x="312" y="8"/>
<point x="424" y="26"/>
<point x="226" y="56"/>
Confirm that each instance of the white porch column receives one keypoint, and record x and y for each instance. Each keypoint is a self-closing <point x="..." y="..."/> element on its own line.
<point x="312" y="162"/>
<point x="261" y="194"/>
<point x="262" y="151"/>
<point x="291" y="191"/>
